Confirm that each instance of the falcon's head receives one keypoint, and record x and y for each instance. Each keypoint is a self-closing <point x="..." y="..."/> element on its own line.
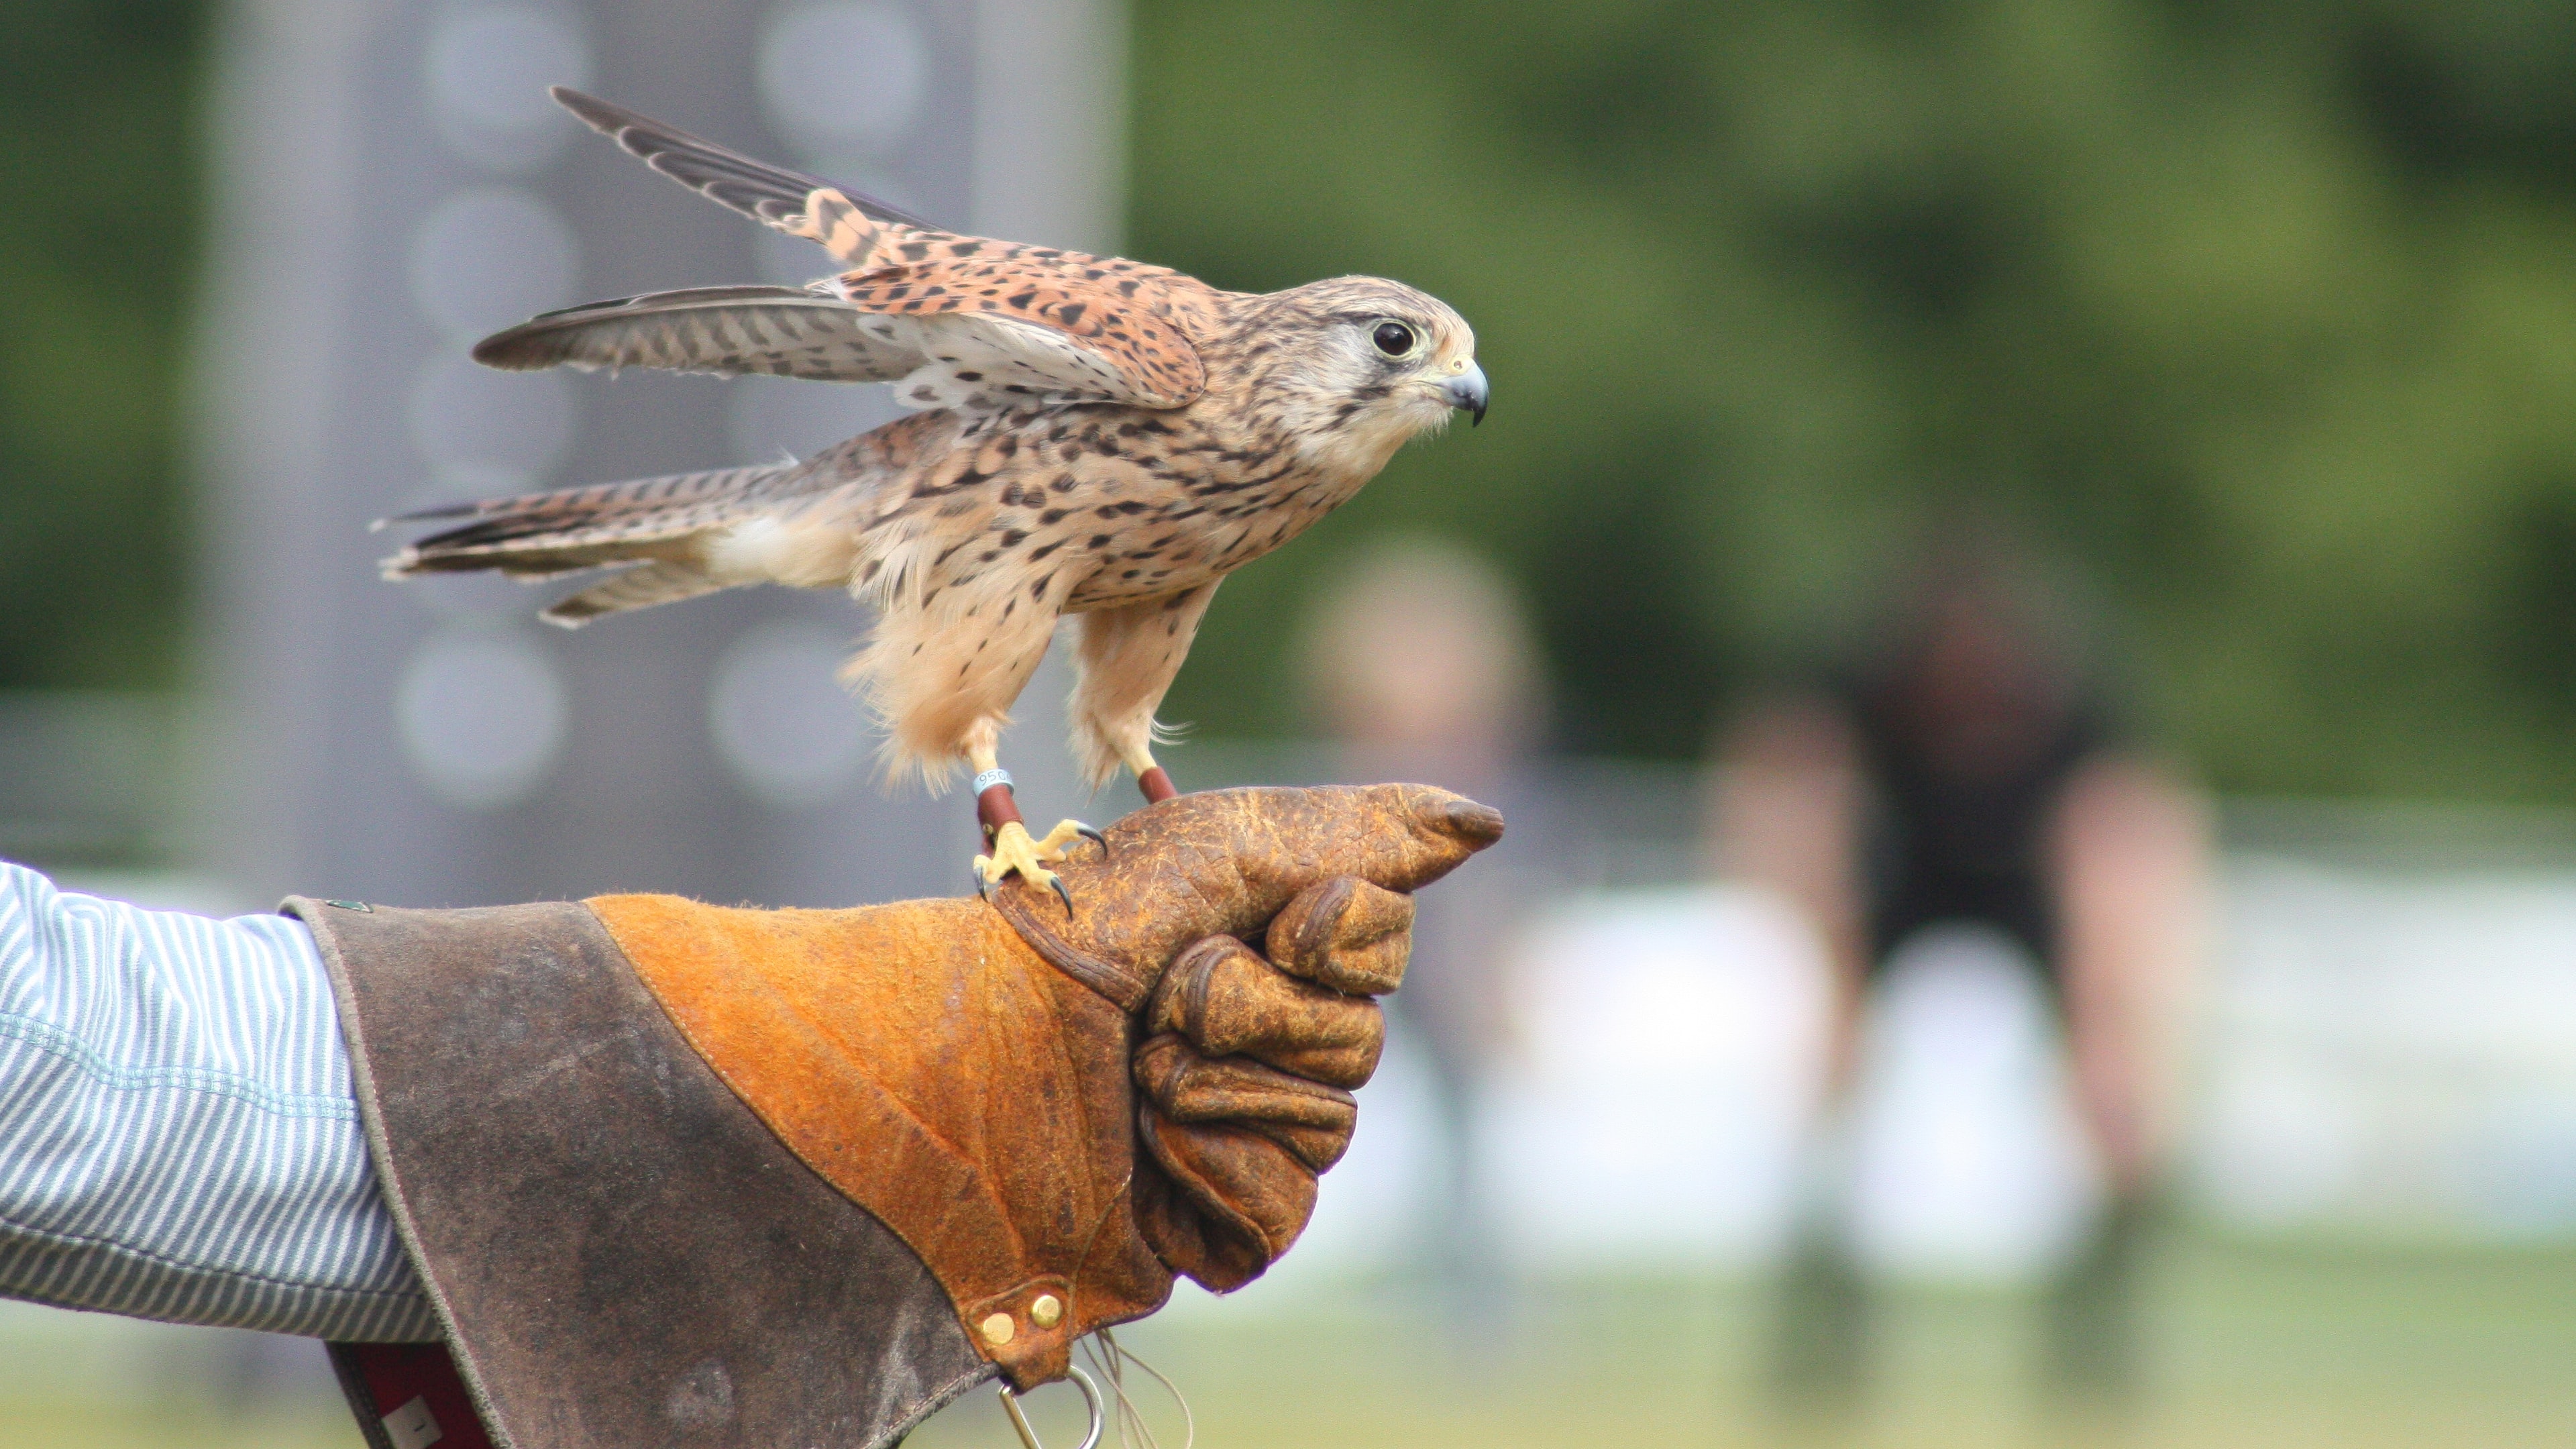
<point x="1362" y="365"/>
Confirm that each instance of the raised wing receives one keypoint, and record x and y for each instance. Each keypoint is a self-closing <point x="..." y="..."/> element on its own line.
<point x="728" y="331"/>
<point x="971" y="360"/>
<point x="848" y="223"/>
<point x="953" y="321"/>
<point x="1088" y="324"/>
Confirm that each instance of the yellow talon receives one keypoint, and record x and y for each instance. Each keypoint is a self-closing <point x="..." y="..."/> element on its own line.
<point x="1013" y="850"/>
<point x="1059" y="841"/>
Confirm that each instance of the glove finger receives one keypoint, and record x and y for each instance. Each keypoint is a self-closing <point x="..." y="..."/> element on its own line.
<point x="1311" y="1120"/>
<point x="1220" y="1250"/>
<point x="1346" y="934"/>
<point x="1223" y="862"/>
<point x="1251" y="1196"/>
<point x="1228" y="1001"/>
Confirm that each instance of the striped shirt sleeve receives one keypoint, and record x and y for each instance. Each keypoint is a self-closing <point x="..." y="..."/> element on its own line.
<point x="179" y="1134"/>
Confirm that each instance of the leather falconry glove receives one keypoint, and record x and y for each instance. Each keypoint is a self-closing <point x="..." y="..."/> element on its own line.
<point x="1059" y="1110"/>
<point x="1247" y="1070"/>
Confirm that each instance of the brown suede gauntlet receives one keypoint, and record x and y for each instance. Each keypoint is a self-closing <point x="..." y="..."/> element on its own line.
<point x="980" y="1077"/>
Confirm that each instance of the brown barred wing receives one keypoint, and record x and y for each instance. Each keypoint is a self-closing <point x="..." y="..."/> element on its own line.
<point x="848" y="223"/>
<point x="727" y="331"/>
<point x="1004" y="325"/>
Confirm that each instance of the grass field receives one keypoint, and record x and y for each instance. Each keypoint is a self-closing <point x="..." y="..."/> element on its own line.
<point x="2249" y="1346"/>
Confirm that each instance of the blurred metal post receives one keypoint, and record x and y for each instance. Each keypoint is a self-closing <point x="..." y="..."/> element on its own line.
<point x="389" y="183"/>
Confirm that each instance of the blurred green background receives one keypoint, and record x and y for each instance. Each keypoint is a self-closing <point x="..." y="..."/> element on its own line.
<point x="99" y="206"/>
<point x="2262" y="316"/>
<point x="2259" y="1348"/>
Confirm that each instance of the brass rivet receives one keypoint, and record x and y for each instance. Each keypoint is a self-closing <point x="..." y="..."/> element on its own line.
<point x="998" y="1329"/>
<point x="1047" y="1311"/>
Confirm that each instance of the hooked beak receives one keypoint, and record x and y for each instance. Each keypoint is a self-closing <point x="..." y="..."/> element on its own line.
<point x="1467" y="390"/>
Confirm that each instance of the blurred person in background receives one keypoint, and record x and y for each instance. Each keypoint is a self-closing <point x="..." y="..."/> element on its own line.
<point x="1968" y="769"/>
<point x="1426" y="670"/>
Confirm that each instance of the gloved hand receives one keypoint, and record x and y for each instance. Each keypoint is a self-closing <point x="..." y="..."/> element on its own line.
<point x="1246" y="1062"/>
<point x="1246" y="1072"/>
<point x="980" y="1076"/>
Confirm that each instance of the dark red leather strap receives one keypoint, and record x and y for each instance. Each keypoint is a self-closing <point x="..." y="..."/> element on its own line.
<point x="994" y="809"/>
<point x="408" y="1396"/>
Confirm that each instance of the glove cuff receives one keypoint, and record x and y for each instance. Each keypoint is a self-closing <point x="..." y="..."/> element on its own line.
<point x="940" y="1073"/>
<point x="618" y="1249"/>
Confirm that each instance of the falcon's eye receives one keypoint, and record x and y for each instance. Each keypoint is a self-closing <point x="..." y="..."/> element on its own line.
<point x="1393" y="338"/>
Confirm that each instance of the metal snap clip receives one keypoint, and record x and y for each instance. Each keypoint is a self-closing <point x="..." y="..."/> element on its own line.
<point x="1090" y="1397"/>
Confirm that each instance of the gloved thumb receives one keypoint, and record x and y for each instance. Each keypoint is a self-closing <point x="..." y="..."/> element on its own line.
<point x="1224" y="862"/>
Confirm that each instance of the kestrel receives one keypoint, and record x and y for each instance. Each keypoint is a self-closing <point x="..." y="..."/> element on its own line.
<point x="1093" y="437"/>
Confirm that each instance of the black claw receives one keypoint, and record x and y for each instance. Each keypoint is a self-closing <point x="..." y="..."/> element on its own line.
<point x="1066" y="895"/>
<point x="1087" y="833"/>
<point x="980" y="883"/>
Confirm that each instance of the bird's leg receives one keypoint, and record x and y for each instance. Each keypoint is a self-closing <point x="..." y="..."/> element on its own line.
<point x="1006" y="836"/>
<point x="1150" y="777"/>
